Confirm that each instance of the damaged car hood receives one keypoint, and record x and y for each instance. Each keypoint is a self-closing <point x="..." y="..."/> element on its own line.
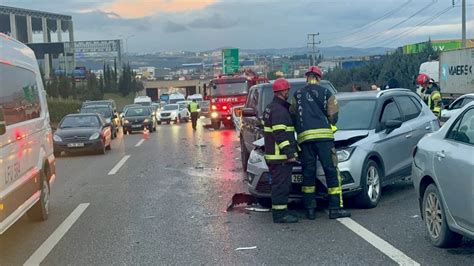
<point x="341" y="136"/>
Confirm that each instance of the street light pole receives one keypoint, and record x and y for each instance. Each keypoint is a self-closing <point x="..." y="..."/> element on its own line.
<point x="463" y="24"/>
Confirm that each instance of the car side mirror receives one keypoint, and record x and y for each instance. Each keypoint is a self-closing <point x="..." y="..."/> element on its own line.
<point x="3" y="125"/>
<point x="249" y="112"/>
<point x="390" y="125"/>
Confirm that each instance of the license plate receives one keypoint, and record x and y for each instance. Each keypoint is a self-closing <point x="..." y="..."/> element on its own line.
<point x="136" y="126"/>
<point x="75" y="145"/>
<point x="297" y="179"/>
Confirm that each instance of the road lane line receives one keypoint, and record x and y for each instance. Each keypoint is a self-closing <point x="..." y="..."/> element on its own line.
<point x="140" y="143"/>
<point x="380" y="244"/>
<point x="119" y="165"/>
<point x="48" y="245"/>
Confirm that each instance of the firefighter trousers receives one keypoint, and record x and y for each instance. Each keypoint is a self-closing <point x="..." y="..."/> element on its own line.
<point x="325" y="151"/>
<point x="194" y="118"/>
<point x="281" y="182"/>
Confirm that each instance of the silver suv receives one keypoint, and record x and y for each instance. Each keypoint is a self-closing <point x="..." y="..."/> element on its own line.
<point x="377" y="132"/>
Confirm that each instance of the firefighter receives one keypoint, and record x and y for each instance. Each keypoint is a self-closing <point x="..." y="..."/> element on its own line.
<point x="193" y="109"/>
<point x="280" y="150"/>
<point x="315" y="109"/>
<point x="430" y="92"/>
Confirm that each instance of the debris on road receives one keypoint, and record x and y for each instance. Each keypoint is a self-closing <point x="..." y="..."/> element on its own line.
<point x="149" y="217"/>
<point x="246" y="248"/>
<point x="241" y="198"/>
<point x="256" y="209"/>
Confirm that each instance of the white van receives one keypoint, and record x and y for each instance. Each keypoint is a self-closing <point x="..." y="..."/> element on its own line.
<point x="176" y="97"/>
<point x="197" y="97"/>
<point x="27" y="163"/>
<point x="143" y="100"/>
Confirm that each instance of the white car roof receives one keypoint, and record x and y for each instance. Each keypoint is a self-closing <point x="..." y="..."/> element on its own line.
<point x="16" y="53"/>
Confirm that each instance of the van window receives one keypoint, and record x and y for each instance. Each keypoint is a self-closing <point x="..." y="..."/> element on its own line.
<point x="19" y="96"/>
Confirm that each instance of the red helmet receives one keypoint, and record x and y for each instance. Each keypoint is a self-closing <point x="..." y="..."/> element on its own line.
<point x="280" y="84"/>
<point x="315" y="70"/>
<point x="422" y="79"/>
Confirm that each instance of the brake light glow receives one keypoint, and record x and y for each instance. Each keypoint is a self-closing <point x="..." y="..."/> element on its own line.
<point x="224" y="107"/>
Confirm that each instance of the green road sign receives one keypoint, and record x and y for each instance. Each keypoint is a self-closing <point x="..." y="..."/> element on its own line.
<point x="230" y="61"/>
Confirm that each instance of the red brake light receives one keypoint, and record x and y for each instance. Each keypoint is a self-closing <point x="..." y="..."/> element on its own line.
<point x="224" y="107"/>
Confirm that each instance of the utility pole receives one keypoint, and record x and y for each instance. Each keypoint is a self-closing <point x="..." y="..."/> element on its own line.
<point x="312" y="44"/>
<point x="463" y="43"/>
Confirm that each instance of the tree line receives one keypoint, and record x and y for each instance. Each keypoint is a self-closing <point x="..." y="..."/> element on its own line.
<point x="94" y="87"/>
<point x="402" y="67"/>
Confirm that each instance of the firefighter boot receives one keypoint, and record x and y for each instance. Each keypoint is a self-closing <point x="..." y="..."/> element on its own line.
<point x="311" y="214"/>
<point x="338" y="213"/>
<point x="283" y="217"/>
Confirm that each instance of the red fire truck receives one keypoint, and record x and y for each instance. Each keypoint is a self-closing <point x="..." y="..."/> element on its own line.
<point x="225" y="92"/>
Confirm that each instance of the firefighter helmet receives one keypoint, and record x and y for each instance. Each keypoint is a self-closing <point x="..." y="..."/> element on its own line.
<point x="422" y="79"/>
<point x="280" y="84"/>
<point x="314" y="70"/>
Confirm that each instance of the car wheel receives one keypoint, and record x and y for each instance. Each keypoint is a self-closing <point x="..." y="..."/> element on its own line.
<point x="265" y="202"/>
<point x="101" y="150"/>
<point x="109" y="147"/>
<point x="216" y="124"/>
<point x="435" y="220"/>
<point x="40" y="211"/>
<point x="371" y="177"/>
<point x="244" y="154"/>
<point x="168" y="122"/>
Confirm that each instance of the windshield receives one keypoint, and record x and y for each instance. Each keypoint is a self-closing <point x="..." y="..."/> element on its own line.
<point x="134" y="111"/>
<point x="355" y="114"/>
<point x="80" y="121"/>
<point x="104" y="111"/>
<point x="175" y="100"/>
<point x="170" y="107"/>
<point x="229" y="89"/>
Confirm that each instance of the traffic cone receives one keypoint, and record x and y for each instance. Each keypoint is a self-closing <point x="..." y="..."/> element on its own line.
<point x="146" y="134"/>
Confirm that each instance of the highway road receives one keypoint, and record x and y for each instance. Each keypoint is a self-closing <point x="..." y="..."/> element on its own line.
<point x="162" y="200"/>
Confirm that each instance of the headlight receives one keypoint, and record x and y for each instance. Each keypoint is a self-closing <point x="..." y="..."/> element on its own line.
<point x="214" y="115"/>
<point x="344" y="154"/>
<point x="57" y="138"/>
<point x="94" y="136"/>
<point x="146" y="121"/>
<point x="126" y="122"/>
<point x="255" y="157"/>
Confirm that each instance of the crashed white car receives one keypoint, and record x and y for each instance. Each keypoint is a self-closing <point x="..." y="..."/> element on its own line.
<point x="173" y="112"/>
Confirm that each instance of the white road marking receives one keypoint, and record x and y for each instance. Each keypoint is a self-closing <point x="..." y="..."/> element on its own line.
<point x="119" y="165"/>
<point x="48" y="245"/>
<point x="380" y="244"/>
<point x="140" y="143"/>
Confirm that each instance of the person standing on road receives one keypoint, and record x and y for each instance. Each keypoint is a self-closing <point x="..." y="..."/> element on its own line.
<point x="280" y="150"/>
<point x="315" y="109"/>
<point x="430" y="93"/>
<point x="193" y="109"/>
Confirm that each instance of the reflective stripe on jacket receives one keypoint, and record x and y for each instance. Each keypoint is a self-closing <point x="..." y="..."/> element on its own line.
<point x="279" y="133"/>
<point x="315" y="110"/>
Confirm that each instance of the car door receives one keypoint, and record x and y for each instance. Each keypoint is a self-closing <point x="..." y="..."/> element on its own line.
<point x="250" y="125"/>
<point x="392" y="145"/>
<point x="417" y="124"/>
<point x="454" y="169"/>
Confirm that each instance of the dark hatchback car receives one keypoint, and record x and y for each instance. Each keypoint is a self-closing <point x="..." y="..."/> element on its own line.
<point x="139" y="118"/>
<point x="107" y="112"/>
<point x="82" y="132"/>
<point x="258" y="98"/>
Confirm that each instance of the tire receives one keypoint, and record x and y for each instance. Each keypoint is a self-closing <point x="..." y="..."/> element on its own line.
<point x="101" y="150"/>
<point x="109" y="147"/>
<point x="57" y="154"/>
<point x="371" y="186"/>
<point x="435" y="220"/>
<point x="40" y="211"/>
<point x="244" y="154"/>
<point x="150" y="129"/>
<point x="228" y="125"/>
<point x="168" y="122"/>
<point x="216" y="125"/>
<point x="178" y="120"/>
<point x="265" y="202"/>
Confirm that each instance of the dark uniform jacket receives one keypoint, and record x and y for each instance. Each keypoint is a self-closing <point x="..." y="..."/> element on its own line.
<point x="279" y="133"/>
<point x="315" y="110"/>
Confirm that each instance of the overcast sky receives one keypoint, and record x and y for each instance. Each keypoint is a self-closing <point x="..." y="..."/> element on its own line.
<point x="197" y="25"/>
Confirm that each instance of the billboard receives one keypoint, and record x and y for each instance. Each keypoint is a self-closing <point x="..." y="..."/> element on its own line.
<point x="441" y="46"/>
<point x="230" y="61"/>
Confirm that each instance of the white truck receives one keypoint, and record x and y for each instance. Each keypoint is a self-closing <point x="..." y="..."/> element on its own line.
<point x="456" y="69"/>
<point x="143" y="100"/>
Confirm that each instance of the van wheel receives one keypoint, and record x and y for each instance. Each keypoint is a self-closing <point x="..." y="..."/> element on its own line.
<point x="370" y="182"/>
<point x="435" y="220"/>
<point x="40" y="211"/>
<point x="244" y="154"/>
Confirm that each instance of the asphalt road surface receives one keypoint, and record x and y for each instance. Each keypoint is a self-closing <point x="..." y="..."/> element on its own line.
<point x="163" y="201"/>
